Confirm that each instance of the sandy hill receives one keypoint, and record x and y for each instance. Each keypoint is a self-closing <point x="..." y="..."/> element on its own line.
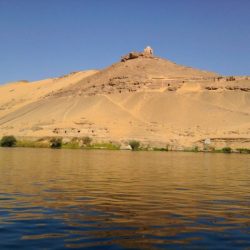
<point x="143" y="97"/>
<point x="136" y="73"/>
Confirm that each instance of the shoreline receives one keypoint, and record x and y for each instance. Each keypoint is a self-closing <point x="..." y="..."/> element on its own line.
<point x="118" y="147"/>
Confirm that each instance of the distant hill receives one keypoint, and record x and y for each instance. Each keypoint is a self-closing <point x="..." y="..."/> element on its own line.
<point x="144" y="97"/>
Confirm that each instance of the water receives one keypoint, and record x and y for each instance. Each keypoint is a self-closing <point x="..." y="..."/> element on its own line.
<point x="63" y="199"/>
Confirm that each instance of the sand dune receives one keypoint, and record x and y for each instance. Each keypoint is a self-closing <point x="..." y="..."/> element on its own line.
<point x="149" y="99"/>
<point x="17" y="94"/>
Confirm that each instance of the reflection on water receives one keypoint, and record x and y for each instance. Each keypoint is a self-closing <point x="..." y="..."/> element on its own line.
<point x="118" y="200"/>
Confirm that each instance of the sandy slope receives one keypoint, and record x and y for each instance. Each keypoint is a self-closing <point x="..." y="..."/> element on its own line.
<point x="17" y="94"/>
<point x="149" y="99"/>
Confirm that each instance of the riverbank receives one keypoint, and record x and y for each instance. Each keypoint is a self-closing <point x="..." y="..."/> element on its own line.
<point x="86" y="143"/>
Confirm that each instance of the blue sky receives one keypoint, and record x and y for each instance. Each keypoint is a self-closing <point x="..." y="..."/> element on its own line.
<point x="49" y="38"/>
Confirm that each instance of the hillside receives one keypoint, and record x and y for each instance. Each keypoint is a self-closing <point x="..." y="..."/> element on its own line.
<point x="146" y="98"/>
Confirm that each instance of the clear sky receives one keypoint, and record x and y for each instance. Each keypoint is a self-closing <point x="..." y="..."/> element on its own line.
<point x="49" y="38"/>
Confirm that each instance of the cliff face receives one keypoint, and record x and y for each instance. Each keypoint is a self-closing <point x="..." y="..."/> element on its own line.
<point x="145" y="98"/>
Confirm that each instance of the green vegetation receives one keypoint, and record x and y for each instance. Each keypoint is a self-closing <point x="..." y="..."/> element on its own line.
<point x="108" y="146"/>
<point x="135" y="145"/>
<point x="78" y="142"/>
<point x="226" y="150"/>
<point x="189" y="149"/>
<point x="32" y="144"/>
<point x="73" y="144"/>
<point x="86" y="143"/>
<point x="160" y="149"/>
<point x="210" y="149"/>
<point x="8" y="141"/>
<point x="243" y="150"/>
<point x="56" y="142"/>
<point x="86" y="140"/>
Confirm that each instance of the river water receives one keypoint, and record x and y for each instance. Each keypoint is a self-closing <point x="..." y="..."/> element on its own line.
<point x="63" y="199"/>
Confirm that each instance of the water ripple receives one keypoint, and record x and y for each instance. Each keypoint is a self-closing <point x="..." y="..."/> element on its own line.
<point x="62" y="199"/>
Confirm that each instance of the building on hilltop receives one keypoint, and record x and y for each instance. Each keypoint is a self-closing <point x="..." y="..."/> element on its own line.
<point x="147" y="52"/>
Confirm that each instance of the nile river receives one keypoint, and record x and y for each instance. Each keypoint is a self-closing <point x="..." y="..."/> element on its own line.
<point x="63" y="199"/>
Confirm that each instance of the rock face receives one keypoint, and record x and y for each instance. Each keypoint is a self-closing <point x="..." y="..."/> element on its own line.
<point x="148" y="52"/>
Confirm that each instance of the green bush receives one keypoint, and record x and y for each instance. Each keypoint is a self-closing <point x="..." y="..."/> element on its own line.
<point x="135" y="145"/>
<point x="160" y="149"/>
<point x="86" y="140"/>
<point x="226" y="150"/>
<point x="243" y="150"/>
<point x="8" y="141"/>
<point x="56" y="142"/>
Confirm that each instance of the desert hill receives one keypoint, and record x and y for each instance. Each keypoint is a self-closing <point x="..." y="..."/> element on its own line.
<point x="136" y="73"/>
<point x="142" y="97"/>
